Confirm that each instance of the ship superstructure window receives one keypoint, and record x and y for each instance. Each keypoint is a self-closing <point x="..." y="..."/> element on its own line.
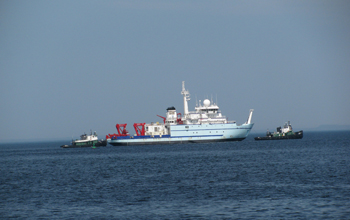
<point x="209" y="111"/>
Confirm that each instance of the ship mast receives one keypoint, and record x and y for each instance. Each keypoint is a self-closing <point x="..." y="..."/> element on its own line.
<point x="250" y="116"/>
<point x="186" y="96"/>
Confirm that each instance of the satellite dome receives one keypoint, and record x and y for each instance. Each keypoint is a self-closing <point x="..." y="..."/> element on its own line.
<point x="206" y="102"/>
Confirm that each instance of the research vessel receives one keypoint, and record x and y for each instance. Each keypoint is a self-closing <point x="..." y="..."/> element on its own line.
<point x="205" y="124"/>
<point x="87" y="141"/>
<point x="282" y="133"/>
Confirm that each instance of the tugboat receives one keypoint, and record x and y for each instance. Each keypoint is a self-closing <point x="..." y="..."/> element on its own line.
<point x="87" y="141"/>
<point x="205" y="124"/>
<point x="282" y="133"/>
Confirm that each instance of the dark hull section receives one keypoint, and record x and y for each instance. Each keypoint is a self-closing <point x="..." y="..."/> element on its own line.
<point x="172" y="142"/>
<point x="98" y="144"/>
<point x="296" y="135"/>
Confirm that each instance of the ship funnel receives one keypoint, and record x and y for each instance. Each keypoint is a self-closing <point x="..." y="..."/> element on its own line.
<point x="250" y="116"/>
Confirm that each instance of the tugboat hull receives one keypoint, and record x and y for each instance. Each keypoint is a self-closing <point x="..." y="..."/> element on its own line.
<point x="98" y="144"/>
<point x="296" y="135"/>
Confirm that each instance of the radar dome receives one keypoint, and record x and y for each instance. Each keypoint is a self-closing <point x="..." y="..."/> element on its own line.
<point x="206" y="102"/>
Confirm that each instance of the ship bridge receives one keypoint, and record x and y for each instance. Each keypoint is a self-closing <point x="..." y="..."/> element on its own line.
<point x="171" y="116"/>
<point x="206" y="113"/>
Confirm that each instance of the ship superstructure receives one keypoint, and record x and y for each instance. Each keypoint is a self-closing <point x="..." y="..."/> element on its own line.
<point x="205" y="124"/>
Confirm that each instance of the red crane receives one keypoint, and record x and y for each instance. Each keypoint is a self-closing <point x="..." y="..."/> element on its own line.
<point x="162" y="118"/>
<point x="140" y="129"/>
<point x="121" y="128"/>
<point x="179" y="121"/>
<point x="121" y="132"/>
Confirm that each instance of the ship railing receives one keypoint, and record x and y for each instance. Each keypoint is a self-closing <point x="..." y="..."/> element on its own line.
<point x="115" y="136"/>
<point x="216" y="122"/>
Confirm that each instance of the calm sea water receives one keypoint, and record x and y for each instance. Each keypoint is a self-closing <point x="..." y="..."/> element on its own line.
<point x="290" y="179"/>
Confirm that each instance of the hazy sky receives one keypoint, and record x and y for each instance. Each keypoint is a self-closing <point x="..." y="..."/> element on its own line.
<point x="70" y="66"/>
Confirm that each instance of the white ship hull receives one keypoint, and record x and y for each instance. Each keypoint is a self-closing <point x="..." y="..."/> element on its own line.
<point x="192" y="134"/>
